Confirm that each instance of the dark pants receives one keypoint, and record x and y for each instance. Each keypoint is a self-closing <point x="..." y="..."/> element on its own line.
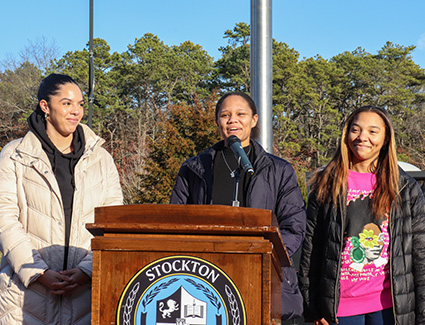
<point x="382" y="317"/>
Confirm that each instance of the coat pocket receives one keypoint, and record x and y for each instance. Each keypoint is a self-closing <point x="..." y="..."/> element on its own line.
<point x="7" y="278"/>
<point x="11" y="290"/>
<point x="292" y="300"/>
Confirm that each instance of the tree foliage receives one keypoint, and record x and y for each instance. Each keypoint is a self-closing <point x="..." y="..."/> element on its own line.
<point x="233" y="69"/>
<point x="184" y="131"/>
<point x="154" y="103"/>
<point x="18" y="97"/>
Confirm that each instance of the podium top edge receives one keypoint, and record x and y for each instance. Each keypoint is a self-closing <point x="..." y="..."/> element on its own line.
<point x="186" y="214"/>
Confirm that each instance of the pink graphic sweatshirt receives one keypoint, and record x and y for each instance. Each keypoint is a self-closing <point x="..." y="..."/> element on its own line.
<point x="365" y="277"/>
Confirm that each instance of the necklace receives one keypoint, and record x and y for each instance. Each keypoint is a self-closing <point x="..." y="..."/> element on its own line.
<point x="232" y="172"/>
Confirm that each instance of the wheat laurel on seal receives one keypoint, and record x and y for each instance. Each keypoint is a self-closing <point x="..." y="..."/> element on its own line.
<point x="233" y="305"/>
<point x="129" y="303"/>
<point x="213" y="298"/>
<point x="151" y="295"/>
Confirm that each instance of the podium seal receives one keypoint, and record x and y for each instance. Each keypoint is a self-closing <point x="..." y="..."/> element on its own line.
<point x="181" y="290"/>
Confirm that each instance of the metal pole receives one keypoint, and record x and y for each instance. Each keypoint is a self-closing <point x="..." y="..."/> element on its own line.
<point x="261" y="68"/>
<point x="91" y="68"/>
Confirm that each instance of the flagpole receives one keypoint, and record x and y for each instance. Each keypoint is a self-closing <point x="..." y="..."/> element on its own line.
<point x="91" y="68"/>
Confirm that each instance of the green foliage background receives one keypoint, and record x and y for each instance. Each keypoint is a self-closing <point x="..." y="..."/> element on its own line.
<point x="154" y="103"/>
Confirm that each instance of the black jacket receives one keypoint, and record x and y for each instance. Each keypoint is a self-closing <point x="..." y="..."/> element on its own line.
<point x="322" y="247"/>
<point x="273" y="187"/>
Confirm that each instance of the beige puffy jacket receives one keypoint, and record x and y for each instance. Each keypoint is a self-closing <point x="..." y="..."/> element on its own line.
<point x="32" y="228"/>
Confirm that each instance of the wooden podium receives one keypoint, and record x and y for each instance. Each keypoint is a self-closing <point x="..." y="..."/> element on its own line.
<point x="139" y="250"/>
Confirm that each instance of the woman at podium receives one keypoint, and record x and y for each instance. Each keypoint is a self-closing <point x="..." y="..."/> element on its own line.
<point x="50" y="182"/>
<point x="265" y="181"/>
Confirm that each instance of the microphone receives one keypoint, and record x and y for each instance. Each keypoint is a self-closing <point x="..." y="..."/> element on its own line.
<point x="236" y="146"/>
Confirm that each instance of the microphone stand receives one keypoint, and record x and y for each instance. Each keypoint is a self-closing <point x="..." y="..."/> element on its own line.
<point x="237" y="175"/>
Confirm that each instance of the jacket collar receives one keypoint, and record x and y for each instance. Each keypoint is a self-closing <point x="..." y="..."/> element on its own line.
<point x="30" y="149"/>
<point x="92" y="140"/>
<point x="203" y="163"/>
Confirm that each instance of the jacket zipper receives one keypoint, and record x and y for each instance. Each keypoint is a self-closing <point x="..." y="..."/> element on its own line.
<point x="391" y="260"/>
<point x="342" y="213"/>
<point x="390" y="223"/>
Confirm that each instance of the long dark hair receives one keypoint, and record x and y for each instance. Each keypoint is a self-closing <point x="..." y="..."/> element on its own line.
<point x="49" y="86"/>
<point x="331" y="181"/>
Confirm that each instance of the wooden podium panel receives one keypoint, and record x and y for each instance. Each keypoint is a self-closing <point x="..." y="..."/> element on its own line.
<point x="244" y="243"/>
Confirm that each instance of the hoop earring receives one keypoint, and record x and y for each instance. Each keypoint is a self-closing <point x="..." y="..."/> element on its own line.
<point x="46" y="116"/>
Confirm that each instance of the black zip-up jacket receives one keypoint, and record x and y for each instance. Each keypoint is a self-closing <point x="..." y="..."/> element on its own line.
<point x="273" y="187"/>
<point x="321" y="256"/>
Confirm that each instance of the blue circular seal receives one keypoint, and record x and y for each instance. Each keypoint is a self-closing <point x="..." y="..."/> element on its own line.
<point x="181" y="290"/>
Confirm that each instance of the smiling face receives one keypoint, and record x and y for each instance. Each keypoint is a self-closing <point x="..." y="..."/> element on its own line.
<point x="366" y="137"/>
<point x="65" y="110"/>
<point x="235" y="117"/>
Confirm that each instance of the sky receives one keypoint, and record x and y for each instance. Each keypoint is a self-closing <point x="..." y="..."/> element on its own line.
<point x="311" y="27"/>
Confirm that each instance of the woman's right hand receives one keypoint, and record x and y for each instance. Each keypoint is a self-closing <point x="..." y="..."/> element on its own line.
<point x="321" y="322"/>
<point x="58" y="284"/>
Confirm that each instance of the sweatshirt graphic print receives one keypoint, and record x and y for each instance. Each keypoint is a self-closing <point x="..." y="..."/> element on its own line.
<point x="365" y="283"/>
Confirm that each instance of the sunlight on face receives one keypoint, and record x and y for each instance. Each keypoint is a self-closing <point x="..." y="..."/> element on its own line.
<point x="65" y="110"/>
<point x="235" y="118"/>
<point x="366" y="137"/>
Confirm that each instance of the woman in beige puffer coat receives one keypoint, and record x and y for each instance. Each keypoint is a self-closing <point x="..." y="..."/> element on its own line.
<point x="50" y="182"/>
